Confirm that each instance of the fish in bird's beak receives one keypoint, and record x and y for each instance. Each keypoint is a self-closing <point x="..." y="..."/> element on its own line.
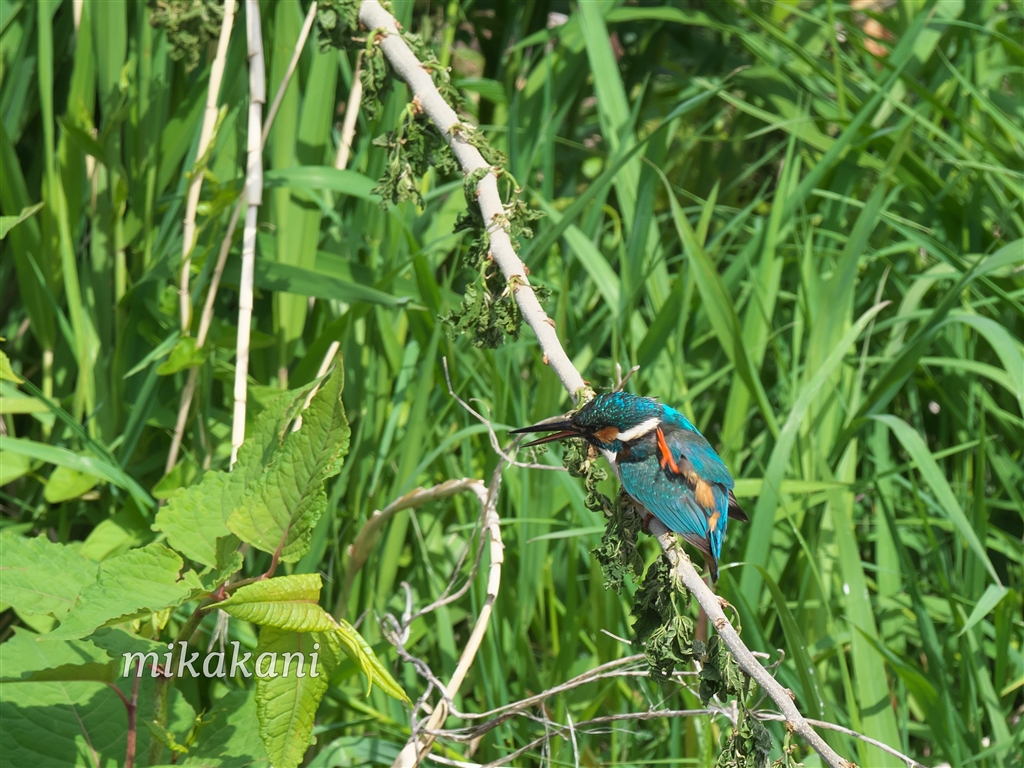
<point x="560" y="426"/>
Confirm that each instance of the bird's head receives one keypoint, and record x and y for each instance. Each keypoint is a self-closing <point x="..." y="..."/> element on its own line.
<point x="609" y="421"/>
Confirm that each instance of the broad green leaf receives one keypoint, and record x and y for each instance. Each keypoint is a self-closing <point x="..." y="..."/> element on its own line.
<point x="286" y="704"/>
<point x="914" y="445"/>
<point x="193" y="518"/>
<point x="65" y="483"/>
<point x="78" y="723"/>
<point x="285" y="602"/>
<point x="23" y="659"/>
<point x="230" y="736"/>
<point x="38" y="576"/>
<point x="128" y="586"/>
<point x="13" y="466"/>
<point x="279" y="511"/>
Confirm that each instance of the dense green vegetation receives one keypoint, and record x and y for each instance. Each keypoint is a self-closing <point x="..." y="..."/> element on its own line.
<point x="728" y="187"/>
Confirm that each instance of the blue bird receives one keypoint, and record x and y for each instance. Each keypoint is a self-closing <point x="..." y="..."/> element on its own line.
<point x="663" y="462"/>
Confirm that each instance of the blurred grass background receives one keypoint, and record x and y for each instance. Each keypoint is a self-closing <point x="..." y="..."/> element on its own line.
<point x="728" y="186"/>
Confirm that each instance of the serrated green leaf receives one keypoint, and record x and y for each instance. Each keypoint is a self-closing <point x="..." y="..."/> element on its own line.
<point x="23" y="659"/>
<point x="362" y="654"/>
<point x="285" y="602"/>
<point x="138" y="582"/>
<point x="281" y="508"/>
<point x="229" y="737"/>
<point x="38" y="576"/>
<point x="72" y="723"/>
<point x="193" y="519"/>
<point x="66" y="483"/>
<point x="286" y="704"/>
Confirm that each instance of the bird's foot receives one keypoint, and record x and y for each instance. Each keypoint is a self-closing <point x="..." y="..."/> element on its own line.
<point x="645" y="522"/>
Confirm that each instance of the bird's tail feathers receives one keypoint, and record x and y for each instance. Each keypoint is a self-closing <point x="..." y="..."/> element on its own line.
<point x="735" y="511"/>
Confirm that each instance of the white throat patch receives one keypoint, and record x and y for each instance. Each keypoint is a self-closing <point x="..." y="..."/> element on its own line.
<point x="641" y="429"/>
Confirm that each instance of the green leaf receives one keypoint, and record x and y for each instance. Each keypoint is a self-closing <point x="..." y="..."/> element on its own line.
<point x="38" y="576"/>
<point x="139" y="582"/>
<point x="320" y="177"/>
<point x="6" y="371"/>
<point x="763" y="519"/>
<point x="91" y="465"/>
<point x="7" y="223"/>
<point x="77" y="723"/>
<point x="65" y="483"/>
<point x="990" y="599"/>
<point x="229" y="737"/>
<point x="362" y="654"/>
<point x="22" y="658"/>
<point x="13" y="466"/>
<point x="285" y="602"/>
<point x="914" y="445"/>
<point x="185" y="354"/>
<point x="288" y="278"/>
<point x="193" y="518"/>
<point x="286" y="704"/>
<point x="279" y="511"/>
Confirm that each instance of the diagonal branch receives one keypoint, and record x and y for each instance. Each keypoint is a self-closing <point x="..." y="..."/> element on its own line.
<point x="373" y="16"/>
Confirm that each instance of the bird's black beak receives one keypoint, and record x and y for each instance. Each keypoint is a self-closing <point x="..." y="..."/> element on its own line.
<point x="560" y="426"/>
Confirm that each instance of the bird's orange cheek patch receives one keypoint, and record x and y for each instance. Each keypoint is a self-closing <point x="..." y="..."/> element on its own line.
<point x="607" y="435"/>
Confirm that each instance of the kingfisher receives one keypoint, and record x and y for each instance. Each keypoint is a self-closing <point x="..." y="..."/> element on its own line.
<point x="662" y="461"/>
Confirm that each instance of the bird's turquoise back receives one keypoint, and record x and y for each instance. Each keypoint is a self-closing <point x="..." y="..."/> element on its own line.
<point x="687" y="488"/>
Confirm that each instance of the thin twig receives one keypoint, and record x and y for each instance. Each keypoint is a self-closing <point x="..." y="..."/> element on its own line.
<point x="254" y="196"/>
<point x="911" y="762"/>
<point x="495" y="445"/>
<point x="419" y="745"/>
<point x="132" y="706"/>
<point x="196" y="185"/>
<point x="348" y="128"/>
<point x="373" y="16"/>
<point x="363" y="544"/>
<point x="332" y="351"/>
<point x="206" y="319"/>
